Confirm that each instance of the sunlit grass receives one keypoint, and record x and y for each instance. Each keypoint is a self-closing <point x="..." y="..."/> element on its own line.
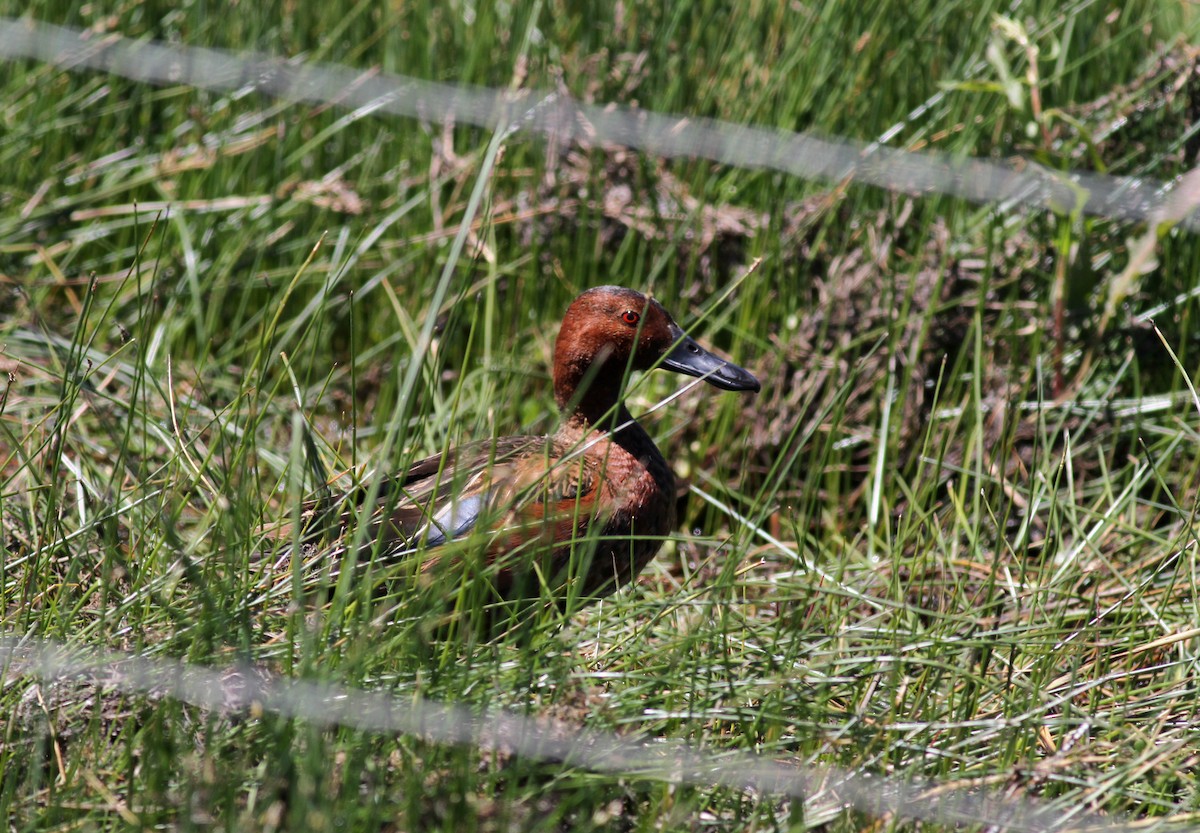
<point x="950" y="538"/>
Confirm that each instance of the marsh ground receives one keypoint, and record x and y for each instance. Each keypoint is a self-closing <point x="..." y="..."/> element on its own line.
<point x="952" y="539"/>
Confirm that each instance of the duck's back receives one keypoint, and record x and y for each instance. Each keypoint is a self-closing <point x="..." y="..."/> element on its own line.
<point x="581" y="503"/>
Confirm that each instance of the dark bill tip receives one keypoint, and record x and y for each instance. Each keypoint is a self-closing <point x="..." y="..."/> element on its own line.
<point x="691" y="359"/>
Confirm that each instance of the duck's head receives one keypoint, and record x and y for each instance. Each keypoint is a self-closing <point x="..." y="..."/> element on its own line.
<point x="609" y="329"/>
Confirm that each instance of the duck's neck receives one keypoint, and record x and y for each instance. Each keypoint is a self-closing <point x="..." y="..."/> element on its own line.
<point x="592" y="404"/>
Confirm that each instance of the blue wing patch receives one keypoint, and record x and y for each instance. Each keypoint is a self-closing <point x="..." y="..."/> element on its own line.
<point x="454" y="520"/>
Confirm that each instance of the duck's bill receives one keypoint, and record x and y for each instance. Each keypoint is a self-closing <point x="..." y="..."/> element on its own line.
<point x="690" y="358"/>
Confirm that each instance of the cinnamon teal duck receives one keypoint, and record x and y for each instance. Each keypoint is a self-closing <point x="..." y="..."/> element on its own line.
<point x="586" y="507"/>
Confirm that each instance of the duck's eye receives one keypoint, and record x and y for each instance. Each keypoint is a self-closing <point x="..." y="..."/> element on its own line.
<point x="630" y="317"/>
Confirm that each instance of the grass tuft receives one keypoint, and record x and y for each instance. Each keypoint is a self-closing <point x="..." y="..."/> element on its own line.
<point x="952" y="539"/>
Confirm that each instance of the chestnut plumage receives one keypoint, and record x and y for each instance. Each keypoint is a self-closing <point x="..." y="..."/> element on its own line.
<point x="590" y="504"/>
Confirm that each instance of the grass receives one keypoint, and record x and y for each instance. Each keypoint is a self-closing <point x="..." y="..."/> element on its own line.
<point x="953" y="538"/>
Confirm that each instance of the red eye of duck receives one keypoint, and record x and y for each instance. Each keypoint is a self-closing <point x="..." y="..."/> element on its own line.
<point x="630" y="317"/>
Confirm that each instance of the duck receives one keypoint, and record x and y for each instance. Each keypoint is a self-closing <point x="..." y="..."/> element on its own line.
<point x="582" y="510"/>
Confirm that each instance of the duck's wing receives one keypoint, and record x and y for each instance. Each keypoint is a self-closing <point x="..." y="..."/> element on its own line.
<point x="402" y="497"/>
<point x="522" y="487"/>
<point x="443" y="497"/>
<point x="517" y="487"/>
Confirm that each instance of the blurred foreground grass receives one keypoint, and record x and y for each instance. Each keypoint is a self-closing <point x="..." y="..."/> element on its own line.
<point x="953" y="537"/>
